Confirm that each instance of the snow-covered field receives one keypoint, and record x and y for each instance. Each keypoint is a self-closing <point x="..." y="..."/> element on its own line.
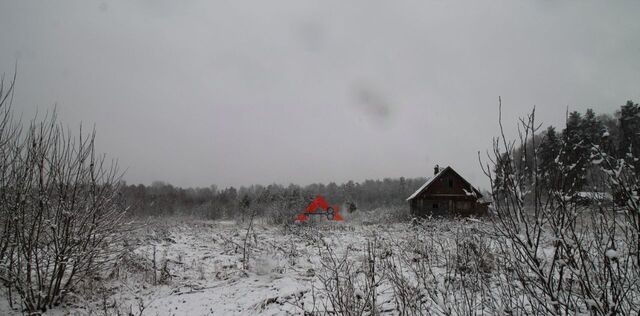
<point x="199" y="270"/>
<point x="185" y="266"/>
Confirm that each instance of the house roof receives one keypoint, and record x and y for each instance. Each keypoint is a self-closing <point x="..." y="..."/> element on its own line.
<point x="425" y="185"/>
<point x="431" y="180"/>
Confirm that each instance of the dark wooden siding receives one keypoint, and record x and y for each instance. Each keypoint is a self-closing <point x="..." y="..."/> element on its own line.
<point x="448" y="195"/>
<point x="448" y="183"/>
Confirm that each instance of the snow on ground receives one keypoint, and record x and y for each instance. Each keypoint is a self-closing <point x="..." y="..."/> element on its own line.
<point x="180" y="266"/>
<point x="199" y="268"/>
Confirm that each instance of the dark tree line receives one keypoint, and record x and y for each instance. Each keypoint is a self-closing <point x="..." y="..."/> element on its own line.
<point x="566" y="158"/>
<point x="164" y="199"/>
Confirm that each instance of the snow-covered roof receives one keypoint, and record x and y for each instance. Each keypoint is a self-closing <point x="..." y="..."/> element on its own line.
<point x="426" y="184"/>
<point x="436" y="176"/>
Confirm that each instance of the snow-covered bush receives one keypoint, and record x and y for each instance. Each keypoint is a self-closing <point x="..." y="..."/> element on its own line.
<point x="474" y="255"/>
<point x="440" y="271"/>
<point x="349" y="287"/>
<point x="558" y="256"/>
<point x="60" y="214"/>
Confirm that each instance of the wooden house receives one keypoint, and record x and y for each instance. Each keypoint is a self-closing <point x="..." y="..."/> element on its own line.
<point x="447" y="194"/>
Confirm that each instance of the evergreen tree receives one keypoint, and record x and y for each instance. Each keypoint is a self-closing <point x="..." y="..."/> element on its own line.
<point x="501" y="170"/>
<point x="575" y="155"/>
<point x="592" y="130"/>
<point x="630" y="132"/>
<point x="610" y="134"/>
<point x="549" y="152"/>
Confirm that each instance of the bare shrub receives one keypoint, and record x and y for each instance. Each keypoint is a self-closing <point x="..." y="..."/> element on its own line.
<point x="59" y="208"/>
<point x="348" y="288"/>
<point x="558" y="256"/>
<point x="438" y="273"/>
<point x="474" y="253"/>
<point x="283" y="210"/>
<point x="246" y="245"/>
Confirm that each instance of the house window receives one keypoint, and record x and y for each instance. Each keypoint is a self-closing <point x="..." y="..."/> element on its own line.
<point x="435" y="206"/>
<point x="450" y="183"/>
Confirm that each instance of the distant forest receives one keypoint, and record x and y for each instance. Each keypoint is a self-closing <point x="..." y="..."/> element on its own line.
<point x="164" y="199"/>
<point x="615" y="134"/>
<point x="566" y="159"/>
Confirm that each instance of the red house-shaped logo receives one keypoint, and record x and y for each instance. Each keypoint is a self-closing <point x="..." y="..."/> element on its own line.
<point x="319" y="206"/>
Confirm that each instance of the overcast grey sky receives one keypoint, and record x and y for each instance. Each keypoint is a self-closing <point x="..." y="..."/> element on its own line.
<point x="240" y="92"/>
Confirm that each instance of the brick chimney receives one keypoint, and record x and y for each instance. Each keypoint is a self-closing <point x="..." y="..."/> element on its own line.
<point x="436" y="170"/>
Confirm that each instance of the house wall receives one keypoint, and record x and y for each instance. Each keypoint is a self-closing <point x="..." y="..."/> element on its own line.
<point x="429" y="206"/>
<point x="426" y="205"/>
<point x="445" y="197"/>
<point x="448" y="183"/>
